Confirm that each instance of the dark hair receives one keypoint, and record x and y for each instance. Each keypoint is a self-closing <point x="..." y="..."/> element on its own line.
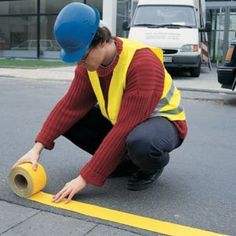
<point x="103" y="34"/>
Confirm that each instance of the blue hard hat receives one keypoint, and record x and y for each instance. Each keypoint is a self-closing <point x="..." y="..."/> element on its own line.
<point x="74" y="30"/>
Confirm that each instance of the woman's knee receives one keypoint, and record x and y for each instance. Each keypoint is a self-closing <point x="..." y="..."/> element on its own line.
<point x="140" y="147"/>
<point x="144" y="153"/>
<point x="137" y="145"/>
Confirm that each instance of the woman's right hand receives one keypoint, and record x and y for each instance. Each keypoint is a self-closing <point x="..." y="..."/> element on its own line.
<point x="32" y="156"/>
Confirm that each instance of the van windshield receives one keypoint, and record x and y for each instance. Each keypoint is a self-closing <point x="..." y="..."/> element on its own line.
<point x="164" y="16"/>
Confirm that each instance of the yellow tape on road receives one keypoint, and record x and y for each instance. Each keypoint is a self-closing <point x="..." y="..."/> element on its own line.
<point x="28" y="184"/>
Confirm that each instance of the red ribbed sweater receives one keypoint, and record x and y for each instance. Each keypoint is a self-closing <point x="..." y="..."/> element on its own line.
<point x="144" y="86"/>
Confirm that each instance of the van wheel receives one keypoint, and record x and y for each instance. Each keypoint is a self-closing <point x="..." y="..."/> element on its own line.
<point x="195" y="72"/>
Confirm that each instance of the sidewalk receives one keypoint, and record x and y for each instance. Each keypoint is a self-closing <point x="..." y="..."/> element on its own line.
<point x="17" y="220"/>
<point x="58" y="74"/>
<point x="206" y="82"/>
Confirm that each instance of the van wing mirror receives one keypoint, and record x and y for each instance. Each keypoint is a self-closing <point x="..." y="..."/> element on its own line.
<point x="125" y="26"/>
<point x="207" y="27"/>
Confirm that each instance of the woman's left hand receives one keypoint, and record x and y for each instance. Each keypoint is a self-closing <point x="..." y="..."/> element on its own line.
<point x="70" y="189"/>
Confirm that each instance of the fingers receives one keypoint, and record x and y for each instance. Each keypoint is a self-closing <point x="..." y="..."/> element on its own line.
<point x="17" y="163"/>
<point x="32" y="156"/>
<point x="62" y="194"/>
<point x="35" y="165"/>
<point x="70" y="197"/>
<point x="66" y="191"/>
<point x="70" y="189"/>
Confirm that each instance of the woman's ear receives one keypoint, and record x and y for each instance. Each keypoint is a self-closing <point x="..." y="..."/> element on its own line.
<point x="102" y="44"/>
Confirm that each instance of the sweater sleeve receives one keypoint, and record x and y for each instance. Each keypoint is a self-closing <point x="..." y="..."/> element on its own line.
<point x="145" y="82"/>
<point x="78" y="100"/>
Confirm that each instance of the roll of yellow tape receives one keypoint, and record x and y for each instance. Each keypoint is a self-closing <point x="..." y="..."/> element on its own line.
<point x="25" y="182"/>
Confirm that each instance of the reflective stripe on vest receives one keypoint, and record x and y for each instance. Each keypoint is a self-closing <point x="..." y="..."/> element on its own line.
<point x="169" y="105"/>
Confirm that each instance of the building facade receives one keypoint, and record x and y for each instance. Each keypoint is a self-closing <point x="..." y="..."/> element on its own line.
<point x="222" y="15"/>
<point x="26" y="26"/>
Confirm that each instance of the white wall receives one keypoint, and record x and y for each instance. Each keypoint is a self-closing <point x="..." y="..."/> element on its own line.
<point x="109" y="14"/>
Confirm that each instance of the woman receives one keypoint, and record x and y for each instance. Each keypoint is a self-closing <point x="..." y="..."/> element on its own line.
<point x="122" y="106"/>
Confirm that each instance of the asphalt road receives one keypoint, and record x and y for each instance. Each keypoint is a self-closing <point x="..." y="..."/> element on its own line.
<point x="198" y="187"/>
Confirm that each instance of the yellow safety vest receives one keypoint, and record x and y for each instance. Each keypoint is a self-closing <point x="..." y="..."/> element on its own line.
<point x="169" y="104"/>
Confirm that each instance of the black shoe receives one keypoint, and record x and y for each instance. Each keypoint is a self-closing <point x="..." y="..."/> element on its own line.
<point x="140" y="180"/>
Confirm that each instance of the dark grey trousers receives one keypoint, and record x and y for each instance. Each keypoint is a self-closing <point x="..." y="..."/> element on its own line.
<point x="148" y="144"/>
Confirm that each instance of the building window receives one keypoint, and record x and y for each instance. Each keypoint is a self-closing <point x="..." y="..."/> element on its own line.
<point x="53" y="6"/>
<point x="18" y="7"/>
<point x="17" y="36"/>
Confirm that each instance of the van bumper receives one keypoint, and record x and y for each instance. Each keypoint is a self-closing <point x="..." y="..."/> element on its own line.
<point x="182" y="61"/>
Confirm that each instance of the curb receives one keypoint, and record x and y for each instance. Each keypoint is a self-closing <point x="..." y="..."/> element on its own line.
<point x="218" y="91"/>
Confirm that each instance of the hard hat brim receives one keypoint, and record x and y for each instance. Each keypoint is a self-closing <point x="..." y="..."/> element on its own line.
<point x="73" y="56"/>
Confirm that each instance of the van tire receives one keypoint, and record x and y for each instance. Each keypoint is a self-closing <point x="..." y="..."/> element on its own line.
<point x="195" y="72"/>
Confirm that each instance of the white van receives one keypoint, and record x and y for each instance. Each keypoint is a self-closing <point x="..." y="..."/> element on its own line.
<point x="173" y="26"/>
